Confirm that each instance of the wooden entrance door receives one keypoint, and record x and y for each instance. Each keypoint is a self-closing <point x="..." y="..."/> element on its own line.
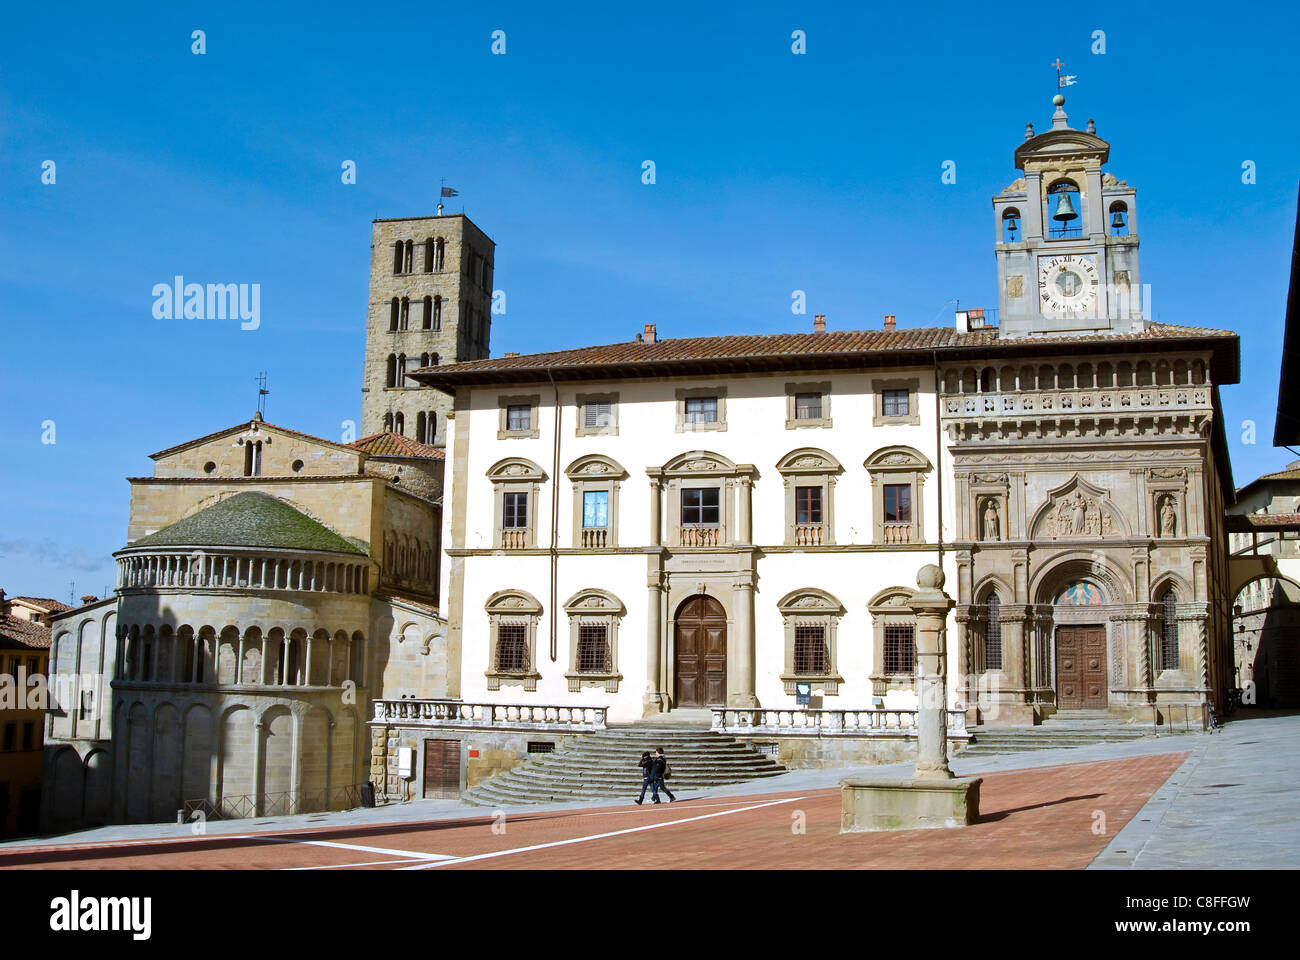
<point x="441" y="768"/>
<point x="701" y="661"/>
<point x="1081" y="668"/>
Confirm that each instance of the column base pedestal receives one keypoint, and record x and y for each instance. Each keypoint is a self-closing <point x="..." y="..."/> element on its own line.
<point x="652" y="704"/>
<point x="871" y="804"/>
<point x="743" y="702"/>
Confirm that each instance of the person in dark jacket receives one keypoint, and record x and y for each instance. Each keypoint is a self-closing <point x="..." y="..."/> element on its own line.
<point x="657" y="776"/>
<point x="647" y="775"/>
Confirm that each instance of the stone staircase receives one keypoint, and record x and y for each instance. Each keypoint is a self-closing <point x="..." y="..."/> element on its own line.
<point x="1078" y="728"/>
<point x="604" y="765"/>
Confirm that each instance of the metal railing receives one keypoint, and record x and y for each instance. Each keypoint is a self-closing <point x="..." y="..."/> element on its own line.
<point x="284" y="803"/>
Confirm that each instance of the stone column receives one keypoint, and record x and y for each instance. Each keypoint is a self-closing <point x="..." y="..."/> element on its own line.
<point x="653" y="701"/>
<point x="742" y="600"/>
<point x="656" y="498"/>
<point x="930" y="606"/>
<point x="306" y="667"/>
<point x="744" y="524"/>
<point x="967" y="686"/>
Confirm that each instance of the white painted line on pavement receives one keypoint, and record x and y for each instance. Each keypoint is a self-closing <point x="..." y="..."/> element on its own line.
<point x="405" y="854"/>
<point x="598" y="836"/>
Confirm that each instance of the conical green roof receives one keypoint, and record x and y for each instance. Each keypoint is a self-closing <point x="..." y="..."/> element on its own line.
<point x="250" y="520"/>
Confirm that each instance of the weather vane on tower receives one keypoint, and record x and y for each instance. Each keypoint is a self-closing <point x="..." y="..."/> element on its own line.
<point x="1063" y="80"/>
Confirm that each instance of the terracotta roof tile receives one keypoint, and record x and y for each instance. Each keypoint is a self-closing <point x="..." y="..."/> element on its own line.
<point x="670" y="354"/>
<point x="16" y="632"/>
<point x="396" y="445"/>
<point x="55" y="606"/>
<point x="410" y="602"/>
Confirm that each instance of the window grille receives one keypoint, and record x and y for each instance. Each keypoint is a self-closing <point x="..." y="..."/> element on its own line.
<point x="512" y="648"/>
<point x="810" y="654"/>
<point x="593" y="648"/>
<point x="541" y="746"/>
<point x="1169" y="639"/>
<point x="808" y="406"/>
<point x="993" y="635"/>
<point x="900" y="648"/>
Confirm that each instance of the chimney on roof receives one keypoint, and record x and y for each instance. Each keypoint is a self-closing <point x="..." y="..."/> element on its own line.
<point x="89" y="598"/>
<point x="650" y="336"/>
<point x="819" y="323"/>
<point x="4" y="603"/>
<point x="889" y="323"/>
<point x="511" y="353"/>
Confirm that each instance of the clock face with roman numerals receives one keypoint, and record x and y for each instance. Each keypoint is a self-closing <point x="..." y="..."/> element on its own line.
<point x="1067" y="284"/>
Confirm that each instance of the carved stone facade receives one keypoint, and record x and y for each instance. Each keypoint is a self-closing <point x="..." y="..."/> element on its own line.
<point x="1062" y="518"/>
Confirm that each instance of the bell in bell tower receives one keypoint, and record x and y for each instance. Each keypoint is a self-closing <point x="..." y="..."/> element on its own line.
<point x="1066" y="238"/>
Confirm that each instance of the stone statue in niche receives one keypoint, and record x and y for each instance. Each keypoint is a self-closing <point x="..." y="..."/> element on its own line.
<point x="991" y="526"/>
<point x="1168" y="518"/>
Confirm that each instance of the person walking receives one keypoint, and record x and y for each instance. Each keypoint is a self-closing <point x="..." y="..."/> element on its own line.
<point x="660" y="772"/>
<point x="647" y="776"/>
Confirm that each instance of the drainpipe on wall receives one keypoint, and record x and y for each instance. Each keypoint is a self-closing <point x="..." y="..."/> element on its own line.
<point x="938" y="453"/>
<point x="555" y="516"/>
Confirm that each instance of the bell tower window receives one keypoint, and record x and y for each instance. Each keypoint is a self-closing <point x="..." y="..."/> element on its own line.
<point x="1119" y="219"/>
<point x="1011" y="226"/>
<point x="1064" y="210"/>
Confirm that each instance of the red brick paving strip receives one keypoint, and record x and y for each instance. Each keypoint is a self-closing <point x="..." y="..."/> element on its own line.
<point x="1036" y="818"/>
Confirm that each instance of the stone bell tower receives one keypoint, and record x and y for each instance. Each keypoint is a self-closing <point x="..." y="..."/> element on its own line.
<point x="1066" y="238"/>
<point x="430" y="303"/>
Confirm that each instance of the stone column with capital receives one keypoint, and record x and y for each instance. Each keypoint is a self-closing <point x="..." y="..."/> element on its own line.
<point x="742" y="599"/>
<point x="653" y="701"/>
<point x="930" y="606"/>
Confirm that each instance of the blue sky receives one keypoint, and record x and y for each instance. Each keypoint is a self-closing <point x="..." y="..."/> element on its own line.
<point x="775" y="172"/>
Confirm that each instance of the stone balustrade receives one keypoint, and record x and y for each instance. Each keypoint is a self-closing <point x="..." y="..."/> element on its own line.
<point x="458" y="714"/>
<point x="1094" y="401"/>
<point x="514" y="539"/>
<point x="595" y="538"/>
<point x="808" y="535"/>
<point x="701" y="536"/>
<point x="803" y="721"/>
<point x="239" y="570"/>
<point x="895" y="533"/>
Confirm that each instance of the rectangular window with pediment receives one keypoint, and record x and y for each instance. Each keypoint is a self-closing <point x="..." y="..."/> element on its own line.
<point x="897" y="475"/>
<point x="511" y="656"/>
<point x="811" y="618"/>
<point x="595" y="480"/>
<point x="594" y="617"/>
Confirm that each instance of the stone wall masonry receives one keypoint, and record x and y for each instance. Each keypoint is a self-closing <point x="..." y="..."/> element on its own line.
<point x="453" y="342"/>
<point x="280" y="450"/>
<point x="343" y="505"/>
